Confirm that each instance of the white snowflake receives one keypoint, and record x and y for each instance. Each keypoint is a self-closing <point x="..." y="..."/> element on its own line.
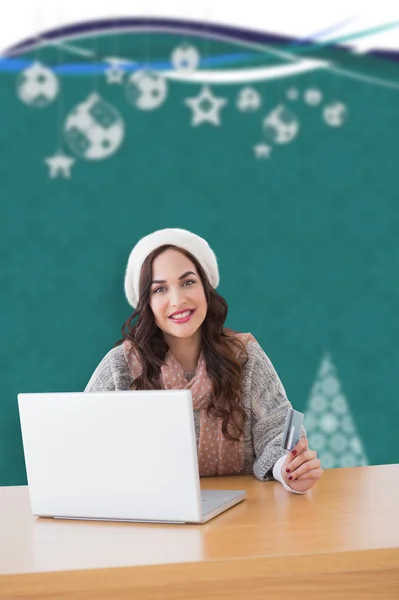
<point x="339" y="405"/>
<point x="356" y="446"/>
<point x="317" y="441"/>
<point x="326" y="366"/>
<point x="327" y="460"/>
<point x="347" y="425"/>
<point x="292" y="93"/>
<point x="329" y="422"/>
<point x="310" y="421"/>
<point x="348" y="460"/>
<point x="318" y="403"/>
<point x="330" y="385"/>
<point x="338" y="442"/>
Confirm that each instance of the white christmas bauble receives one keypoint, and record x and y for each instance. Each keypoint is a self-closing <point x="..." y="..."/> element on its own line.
<point x="281" y="125"/>
<point x="37" y="85"/>
<point x="146" y="90"/>
<point x="335" y="114"/>
<point x="185" y="58"/>
<point x="248" y="100"/>
<point x="313" y="96"/>
<point x="94" y="129"/>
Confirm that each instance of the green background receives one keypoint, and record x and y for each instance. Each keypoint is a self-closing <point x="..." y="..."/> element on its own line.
<point x="306" y="240"/>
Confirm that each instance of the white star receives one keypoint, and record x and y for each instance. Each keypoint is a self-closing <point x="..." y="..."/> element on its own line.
<point x="205" y="107"/>
<point x="114" y="74"/>
<point x="115" y="71"/>
<point x="60" y="165"/>
<point x="262" y="150"/>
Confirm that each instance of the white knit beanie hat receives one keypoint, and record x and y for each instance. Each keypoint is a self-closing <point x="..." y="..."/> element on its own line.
<point x="181" y="238"/>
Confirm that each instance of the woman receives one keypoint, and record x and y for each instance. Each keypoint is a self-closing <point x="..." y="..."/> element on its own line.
<point x="179" y="342"/>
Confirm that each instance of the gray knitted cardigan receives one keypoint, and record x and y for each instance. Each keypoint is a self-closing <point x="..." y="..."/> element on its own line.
<point x="263" y="398"/>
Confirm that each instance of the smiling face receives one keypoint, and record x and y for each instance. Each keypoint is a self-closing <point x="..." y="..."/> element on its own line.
<point x="177" y="296"/>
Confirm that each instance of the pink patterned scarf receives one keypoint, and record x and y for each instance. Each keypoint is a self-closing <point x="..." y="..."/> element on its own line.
<point x="216" y="455"/>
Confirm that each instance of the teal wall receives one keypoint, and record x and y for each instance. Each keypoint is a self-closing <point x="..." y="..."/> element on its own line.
<point x="306" y="240"/>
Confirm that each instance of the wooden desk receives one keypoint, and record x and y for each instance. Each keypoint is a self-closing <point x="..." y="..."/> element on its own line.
<point x="340" y="540"/>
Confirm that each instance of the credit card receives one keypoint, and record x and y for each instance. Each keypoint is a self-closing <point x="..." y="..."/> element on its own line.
<point x="292" y="429"/>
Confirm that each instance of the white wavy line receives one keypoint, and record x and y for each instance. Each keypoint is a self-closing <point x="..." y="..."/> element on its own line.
<point x="264" y="73"/>
<point x="365" y="78"/>
<point x="258" y="46"/>
<point x="246" y="75"/>
<point x="69" y="48"/>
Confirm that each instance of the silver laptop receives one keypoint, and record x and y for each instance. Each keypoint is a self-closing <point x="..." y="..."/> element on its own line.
<point x="120" y="456"/>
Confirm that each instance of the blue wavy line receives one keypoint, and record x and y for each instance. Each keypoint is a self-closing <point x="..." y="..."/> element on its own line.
<point x="16" y="65"/>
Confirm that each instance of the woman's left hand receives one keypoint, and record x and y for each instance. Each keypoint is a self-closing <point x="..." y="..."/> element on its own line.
<point x="303" y="466"/>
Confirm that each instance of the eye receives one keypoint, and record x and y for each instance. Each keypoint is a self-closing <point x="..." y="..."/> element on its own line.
<point x="157" y="290"/>
<point x="190" y="281"/>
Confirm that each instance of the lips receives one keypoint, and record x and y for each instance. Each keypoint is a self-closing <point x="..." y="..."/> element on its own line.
<point x="182" y="316"/>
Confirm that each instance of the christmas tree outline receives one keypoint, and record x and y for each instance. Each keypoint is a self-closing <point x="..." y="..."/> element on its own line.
<point x="329" y="423"/>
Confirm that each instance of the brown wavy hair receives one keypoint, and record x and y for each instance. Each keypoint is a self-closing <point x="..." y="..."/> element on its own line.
<point x="224" y="364"/>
